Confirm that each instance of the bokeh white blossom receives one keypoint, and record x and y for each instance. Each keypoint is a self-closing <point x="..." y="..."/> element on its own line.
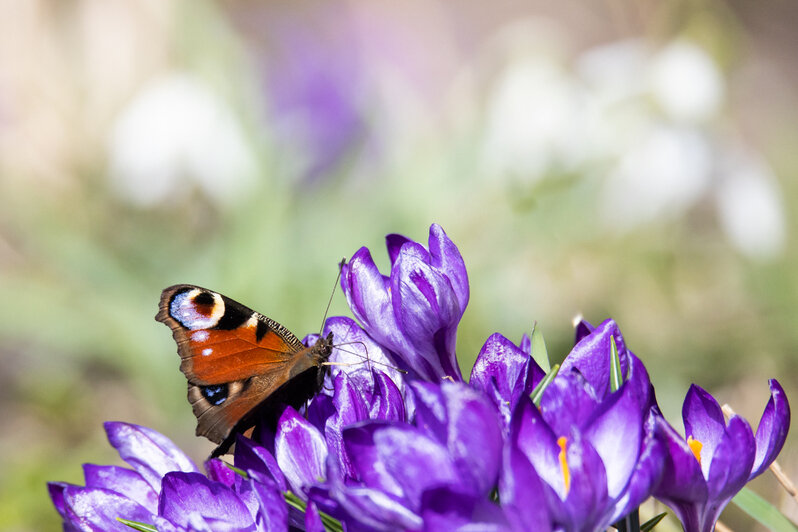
<point x="176" y="136"/>
<point x="644" y="121"/>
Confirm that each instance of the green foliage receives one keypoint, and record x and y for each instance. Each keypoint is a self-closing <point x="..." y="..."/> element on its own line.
<point x="763" y="512"/>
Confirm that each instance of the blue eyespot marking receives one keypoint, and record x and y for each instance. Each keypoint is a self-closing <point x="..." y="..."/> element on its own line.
<point x="215" y="394"/>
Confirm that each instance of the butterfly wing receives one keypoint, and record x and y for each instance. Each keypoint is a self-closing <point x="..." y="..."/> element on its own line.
<point x="220" y="340"/>
<point x="233" y="357"/>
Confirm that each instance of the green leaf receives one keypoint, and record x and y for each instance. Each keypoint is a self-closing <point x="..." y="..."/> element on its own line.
<point x="763" y="512"/>
<point x="616" y="377"/>
<point x="135" y="525"/>
<point x="539" y="352"/>
<point x="295" y="501"/>
<point x="630" y="523"/>
<point x="330" y="523"/>
<point x="651" y="523"/>
<point x="537" y="393"/>
<point x="236" y="470"/>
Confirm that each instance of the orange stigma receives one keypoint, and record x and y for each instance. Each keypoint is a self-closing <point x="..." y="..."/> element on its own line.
<point x="696" y="447"/>
<point x="566" y="473"/>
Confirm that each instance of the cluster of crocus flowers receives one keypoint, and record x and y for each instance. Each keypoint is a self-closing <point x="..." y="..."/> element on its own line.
<point x="511" y="449"/>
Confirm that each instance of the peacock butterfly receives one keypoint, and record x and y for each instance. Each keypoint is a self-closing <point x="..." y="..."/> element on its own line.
<point x="239" y="364"/>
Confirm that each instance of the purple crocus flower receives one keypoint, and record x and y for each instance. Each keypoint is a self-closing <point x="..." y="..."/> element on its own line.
<point x="165" y="489"/>
<point x="704" y="470"/>
<point x="414" y="311"/>
<point x="588" y="451"/>
<point x="593" y="460"/>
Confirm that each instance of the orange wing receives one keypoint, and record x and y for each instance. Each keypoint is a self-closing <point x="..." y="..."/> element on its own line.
<point x="220" y="340"/>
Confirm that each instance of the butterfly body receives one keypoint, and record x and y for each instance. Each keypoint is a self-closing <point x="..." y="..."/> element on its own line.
<point x="237" y="361"/>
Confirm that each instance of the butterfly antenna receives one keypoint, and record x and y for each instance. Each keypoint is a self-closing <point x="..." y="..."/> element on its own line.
<point x="324" y="319"/>
<point x="368" y="360"/>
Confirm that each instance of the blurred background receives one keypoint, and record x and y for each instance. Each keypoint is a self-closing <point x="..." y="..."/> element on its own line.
<point x="620" y="159"/>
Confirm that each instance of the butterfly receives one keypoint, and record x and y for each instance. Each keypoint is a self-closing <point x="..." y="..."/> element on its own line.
<point x="240" y="365"/>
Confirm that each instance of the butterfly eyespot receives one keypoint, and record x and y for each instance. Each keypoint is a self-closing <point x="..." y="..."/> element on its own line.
<point x="204" y="298"/>
<point x="197" y="309"/>
<point x="215" y="394"/>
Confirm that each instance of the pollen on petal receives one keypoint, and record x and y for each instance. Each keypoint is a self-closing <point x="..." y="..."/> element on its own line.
<point x="696" y="447"/>
<point x="566" y="473"/>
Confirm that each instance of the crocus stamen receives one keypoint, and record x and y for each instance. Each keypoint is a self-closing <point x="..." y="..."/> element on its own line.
<point x="566" y="473"/>
<point x="695" y="446"/>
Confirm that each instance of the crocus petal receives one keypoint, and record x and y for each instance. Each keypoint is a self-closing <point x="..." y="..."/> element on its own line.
<point x="381" y="507"/>
<point x="773" y="428"/>
<point x="150" y="453"/>
<point x="56" y="492"/>
<point x="273" y="511"/>
<point x="728" y="473"/>
<point x="582" y="329"/>
<point x="428" y="312"/>
<point x="447" y="509"/>
<point x="366" y="291"/>
<point x="376" y="510"/>
<point x="187" y="494"/>
<point x="647" y="473"/>
<point x="637" y="377"/>
<point x="97" y="509"/>
<point x="349" y="404"/>
<point x="521" y="493"/>
<point x="162" y="524"/>
<point x="503" y="365"/>
<point x="399" y="460"/>
<point x="447" y="258"/>
<point x="321" y="496"/>
<point x="430" y="409"/>
<point x="219" y="472"/>
<point x="732" y="460"/>
<point x="682" y="479"/>
<point x="350" y="408"/>
<point x="320" y="408"/>
<point x="394" y="243"/>
<point x="531" y="435"/>
<point x="587" y="502"/>
<point x="313" y="519"/>
<point x="616" y="433"/>
<point x="300" y="450"/>
<point x="474" y="437"/>
<point x="415" y="461"/>
<point x="363" y="457"/>
<point x="591" y="356"/>
<point x="569" y="401"/>
<point x="123" y="481"/>
<point x="387" y="402"/>
<point x="704" y="422"/>
<point x="462" y="419"/>
<point x="250" y="457"/>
